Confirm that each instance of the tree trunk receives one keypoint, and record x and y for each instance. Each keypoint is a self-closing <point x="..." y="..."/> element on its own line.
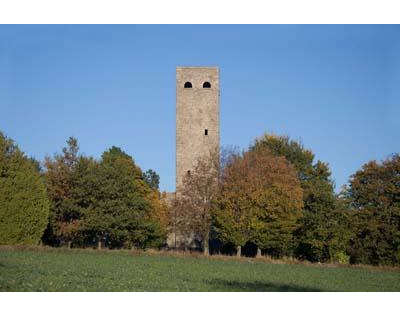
<point x="258" y="255"/>
<point x="206" y="251"/>
<point x="69" y="244"/>
<point x="238" y="251"/>
<point x="99" y="244"/>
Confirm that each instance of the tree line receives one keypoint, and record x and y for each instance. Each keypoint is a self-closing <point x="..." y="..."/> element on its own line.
<point x="278" y="198"/>
<point x="273" y="196"/>
<point x="75" y="200"/>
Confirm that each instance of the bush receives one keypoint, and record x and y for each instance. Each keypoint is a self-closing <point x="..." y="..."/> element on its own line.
<point x="340" y="257"/>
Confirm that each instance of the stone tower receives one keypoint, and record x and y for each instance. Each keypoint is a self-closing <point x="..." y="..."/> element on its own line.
<point x="197" y="116"/>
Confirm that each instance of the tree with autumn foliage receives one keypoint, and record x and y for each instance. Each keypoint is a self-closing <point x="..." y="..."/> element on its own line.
<point x="24" y="207"/>
<point x="195" y="198"/>
<point x="260" y="201"/>
<point x="161" y="212"/>
<point x="323" y="233"/>
<point x="373" y="196"/>
<point x="160" y="215"/>
<point x="63" y="174"/>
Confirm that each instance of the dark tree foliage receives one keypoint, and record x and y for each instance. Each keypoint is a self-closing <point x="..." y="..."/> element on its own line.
<point x="118" y="208"/>
<point x="322" y="234"/>
<point x="62" y="174"/>
<point x="152" y="179"/>
<point x="374" y="198"/>
<point x="24" y="207"/>
<point x="36" y="163"/>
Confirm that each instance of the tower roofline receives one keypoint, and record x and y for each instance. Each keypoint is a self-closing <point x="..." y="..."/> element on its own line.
<point x="198" y="67"/>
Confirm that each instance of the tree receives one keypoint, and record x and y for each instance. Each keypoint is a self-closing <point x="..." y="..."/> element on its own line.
<point x="160" y="214"/>
<point x="260" y="201"/>
<point x="119" y="211"/>
<point x="373" y="195"/>
<point x="36" y="164"/>
<point x="24" y="207"/>
<point x="62" y="175"/>
<point x="321" y="234"/>
<point x="152" y="179"/>
<point x="195" y="198"/>
<point x="324" y="232"/>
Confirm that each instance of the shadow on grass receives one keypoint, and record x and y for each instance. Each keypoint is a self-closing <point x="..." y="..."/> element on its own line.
<point x="258" y="286"/>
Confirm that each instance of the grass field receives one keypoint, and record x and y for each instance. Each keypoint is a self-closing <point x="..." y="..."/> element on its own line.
<point x="62" y="270"/>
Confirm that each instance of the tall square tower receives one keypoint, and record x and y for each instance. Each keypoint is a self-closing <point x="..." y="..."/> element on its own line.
<point x="197" y="116"/>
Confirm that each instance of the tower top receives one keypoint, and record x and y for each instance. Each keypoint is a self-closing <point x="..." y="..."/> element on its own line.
<point x="200" y="67"/>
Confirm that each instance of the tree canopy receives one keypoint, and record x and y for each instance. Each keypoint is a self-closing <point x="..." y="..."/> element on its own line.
<point x="320" y="234"/>
<point x="63" y="175"/>
<point x="120" y="208"/>
<point x="373" y="196"/>
<point x="24" y="207"/>
<point x="107" y="201"/>
<point x="260" y="201"/>
<point x="152" y="179"/>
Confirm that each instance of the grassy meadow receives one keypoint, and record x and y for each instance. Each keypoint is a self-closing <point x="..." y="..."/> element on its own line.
<point x="90" y="270"/>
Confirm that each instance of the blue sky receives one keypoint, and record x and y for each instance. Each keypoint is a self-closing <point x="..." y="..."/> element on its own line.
<point x="335" y="88"/>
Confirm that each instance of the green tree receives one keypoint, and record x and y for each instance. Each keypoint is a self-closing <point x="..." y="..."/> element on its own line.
<point x="119" y="210"/>
<point x="36" y="163"/>
<point x="152" y="179"/>
<point x="322" y="234"/>
<point x="373" y="195"/>
<point x="24" y="207"/>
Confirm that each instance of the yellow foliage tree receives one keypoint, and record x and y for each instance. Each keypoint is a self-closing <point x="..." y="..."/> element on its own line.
<point x="260" y="201"/>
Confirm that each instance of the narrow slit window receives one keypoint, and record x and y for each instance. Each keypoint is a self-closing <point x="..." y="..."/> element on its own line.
<point x="188" y="172"/>
<point x="206" y="132"/>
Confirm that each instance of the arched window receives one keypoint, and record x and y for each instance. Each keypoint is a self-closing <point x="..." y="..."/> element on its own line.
<point x="206" y="85"/>
<point x="188" y="85"/>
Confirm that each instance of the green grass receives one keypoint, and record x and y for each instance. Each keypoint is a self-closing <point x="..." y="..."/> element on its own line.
<point x="55" y="270"/>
